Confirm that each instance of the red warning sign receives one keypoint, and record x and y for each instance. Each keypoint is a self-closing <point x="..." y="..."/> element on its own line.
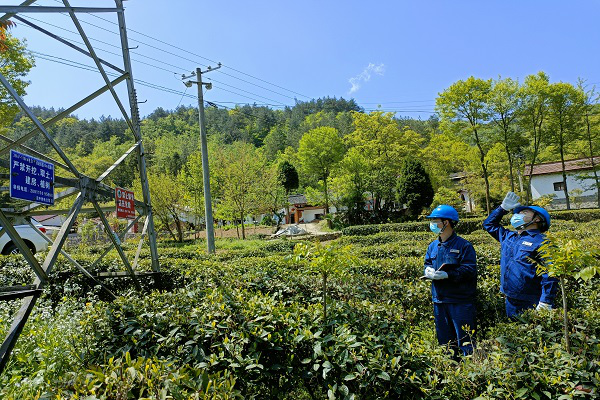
<point x="125" y="203"/>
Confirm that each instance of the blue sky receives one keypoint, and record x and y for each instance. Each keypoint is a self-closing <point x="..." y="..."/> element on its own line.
<point x="397" y="54"/>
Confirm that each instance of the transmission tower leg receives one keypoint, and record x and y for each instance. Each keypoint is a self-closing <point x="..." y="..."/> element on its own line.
<point x="135" y="118"/>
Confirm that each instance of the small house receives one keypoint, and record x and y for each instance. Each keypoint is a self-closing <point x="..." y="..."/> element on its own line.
<point x="547" y="179"/>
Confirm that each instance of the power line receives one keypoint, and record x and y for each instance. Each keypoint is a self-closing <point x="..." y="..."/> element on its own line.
<point x="202" y="57"/>
<point x="222" y="83"/>
<point x="176" y="72"/>
<point x="141" y="82"/>
<point x="194" y="54"/>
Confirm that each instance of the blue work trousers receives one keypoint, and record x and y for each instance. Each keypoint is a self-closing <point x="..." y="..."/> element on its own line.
<point x="515" y="307"/>
<point x="454" y="323"/>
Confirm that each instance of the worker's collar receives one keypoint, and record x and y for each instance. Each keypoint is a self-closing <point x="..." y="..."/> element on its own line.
<point x="530" y="232"/>
<point x="449" y="238"/>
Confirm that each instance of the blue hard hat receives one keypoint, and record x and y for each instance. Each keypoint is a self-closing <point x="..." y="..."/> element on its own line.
<point x="444" y="211"/>
<point x="537" y="210"/>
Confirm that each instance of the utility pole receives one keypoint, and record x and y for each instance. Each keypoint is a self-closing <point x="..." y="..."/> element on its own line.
<point x="210" y="232"/>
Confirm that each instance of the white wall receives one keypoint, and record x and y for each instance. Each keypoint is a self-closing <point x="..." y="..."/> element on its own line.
<point x="310" y="215"/>
<point x="544" y="184"/>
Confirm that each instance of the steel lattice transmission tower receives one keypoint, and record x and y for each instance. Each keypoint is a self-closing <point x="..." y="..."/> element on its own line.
<point x="84" y="189"/>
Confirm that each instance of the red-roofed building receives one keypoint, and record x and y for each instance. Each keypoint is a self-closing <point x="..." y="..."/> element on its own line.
<point x="547" y="179"/>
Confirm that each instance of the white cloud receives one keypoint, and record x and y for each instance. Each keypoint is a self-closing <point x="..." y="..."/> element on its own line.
<point x="365" y="76"/>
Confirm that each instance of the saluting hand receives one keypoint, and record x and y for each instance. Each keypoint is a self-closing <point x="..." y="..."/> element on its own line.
<point x="510" y="201"/>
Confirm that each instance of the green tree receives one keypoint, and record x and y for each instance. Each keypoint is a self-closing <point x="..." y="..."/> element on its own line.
<point x="103" y="155"/>
<point x="591" y="133"/>
<point x="167" y="203"/>
<point x="532" y="118"/>
<point x="288" y="178"/>
<point x="275" y="142"/>
<point x="274" y="195"/>
<point x="414" y="187"/>
<point x="384" y="145"/>
<point x="446" y="153"/>
<point x="464" y="105"/>
<point x="327" y="261"/>
<point x="238" y="171"/>
<point x="566" y="257"/>
<point x="565" y="107"/>
<point x="447" y="196"/>
<point x="349" y="183"/>
<point x="504" y="104"/>
<point x="15" y="64"/>
<point x="320" y="149"/>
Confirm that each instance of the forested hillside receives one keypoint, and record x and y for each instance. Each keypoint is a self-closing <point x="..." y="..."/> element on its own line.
<point x="487" y="130"/>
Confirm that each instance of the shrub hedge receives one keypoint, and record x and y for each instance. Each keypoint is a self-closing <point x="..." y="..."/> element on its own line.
<point x="246" y="323"/>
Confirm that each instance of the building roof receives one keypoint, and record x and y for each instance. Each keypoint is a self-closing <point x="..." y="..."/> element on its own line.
<point x="297" y="199"/>
<point x="457" y="176"/>
<point x="579" y="164"/>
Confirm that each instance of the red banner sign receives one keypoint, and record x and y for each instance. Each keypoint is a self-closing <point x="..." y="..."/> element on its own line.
<point x="125" y="203"/>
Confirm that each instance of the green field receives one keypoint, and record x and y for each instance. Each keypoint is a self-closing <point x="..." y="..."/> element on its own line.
<point x="247" y="323"/>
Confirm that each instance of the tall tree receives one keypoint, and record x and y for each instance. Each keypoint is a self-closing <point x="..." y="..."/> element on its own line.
<point x="274" y="195"/>
<point x="591" y="133"/>
<point x="320" y="149"/>
<point x="238" y="173"/>
<point x="15" y="63"/>
<point x="565" y="106"/>
<point x="446" y="153"/>
<point x="288" y="178"/>
<point x="414" y="187"/>
<point x="504" y="103"/>
<point x="464" y="105"/>
<point x="349" y="184"/>
<point x="167" y="205"/>
<point x="532" y="118"/>
<point x="384" y="145"/>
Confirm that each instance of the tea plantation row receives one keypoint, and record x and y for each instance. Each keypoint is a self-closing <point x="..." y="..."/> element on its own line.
<point x="247" y="323"/>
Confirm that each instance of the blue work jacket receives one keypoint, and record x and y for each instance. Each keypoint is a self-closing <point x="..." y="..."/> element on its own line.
<point x="518" y="273"/>
<point x="461" y="285"/>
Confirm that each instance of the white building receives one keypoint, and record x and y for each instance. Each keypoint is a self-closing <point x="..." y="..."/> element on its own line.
<point x="547" y="179"/>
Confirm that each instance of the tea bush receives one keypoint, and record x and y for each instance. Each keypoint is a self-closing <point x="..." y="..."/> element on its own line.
<point x="244" y="323"/>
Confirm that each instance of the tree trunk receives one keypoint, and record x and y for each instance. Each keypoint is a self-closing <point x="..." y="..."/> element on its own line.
<point x="510" y="162"/>
<point x="485" y="173"/>
<point x="591" y="146"/>
<point x="179" y="229"/>
<point x="537" y="140"/>
<point x="243" y="228"/>
<point x="168" y="226"/>
<point x="565" y="315"/>
<point x="326" y="195"/>
<point x="564" y="174"/>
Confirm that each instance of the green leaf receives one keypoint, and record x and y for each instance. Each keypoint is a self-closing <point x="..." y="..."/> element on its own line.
<point x="384" y="375"/>
<point x="317" y="349"/>
<point x="349" y="377"/>
<point x="521" y="393"/>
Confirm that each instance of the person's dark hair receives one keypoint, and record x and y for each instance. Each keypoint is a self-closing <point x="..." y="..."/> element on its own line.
<point x="542" y="225"/>
<point x="452" y="223"/>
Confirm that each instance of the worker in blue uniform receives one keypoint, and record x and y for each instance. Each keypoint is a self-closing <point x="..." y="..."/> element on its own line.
<point x="451" y="264"/>
<point x="523" y="287"/>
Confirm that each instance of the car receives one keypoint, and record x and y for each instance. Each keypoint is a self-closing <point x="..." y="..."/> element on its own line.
<point x="33" y="240"/>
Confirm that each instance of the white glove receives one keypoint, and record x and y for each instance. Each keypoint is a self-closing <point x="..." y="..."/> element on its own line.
<point x="543" y="306"/>
<point x="429" y="272"/>
<point x="510" y="201"/>
<point x="440" y="275"/>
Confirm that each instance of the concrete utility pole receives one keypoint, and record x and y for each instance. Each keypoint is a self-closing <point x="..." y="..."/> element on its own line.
<point x="210" y="231"/>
